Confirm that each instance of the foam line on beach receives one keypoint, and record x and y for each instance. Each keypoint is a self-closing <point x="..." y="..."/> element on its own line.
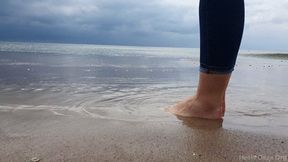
<point x="82" y="111"/>
<point x="283" y="56"/>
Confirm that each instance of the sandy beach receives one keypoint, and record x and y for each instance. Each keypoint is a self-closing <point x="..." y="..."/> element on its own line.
<point x="27" y="134"/>
<point x="64" y="102"/>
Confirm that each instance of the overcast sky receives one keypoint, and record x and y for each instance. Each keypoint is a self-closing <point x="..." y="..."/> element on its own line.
<point x="134" y="22"/>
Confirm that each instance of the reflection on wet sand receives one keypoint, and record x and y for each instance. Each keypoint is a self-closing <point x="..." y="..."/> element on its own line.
<point x="199" y="123"/>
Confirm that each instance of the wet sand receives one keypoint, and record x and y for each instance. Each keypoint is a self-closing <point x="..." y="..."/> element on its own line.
<point x="25" y="134"/>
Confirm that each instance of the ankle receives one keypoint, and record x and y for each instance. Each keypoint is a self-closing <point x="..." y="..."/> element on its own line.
<point x="213" y="101"/>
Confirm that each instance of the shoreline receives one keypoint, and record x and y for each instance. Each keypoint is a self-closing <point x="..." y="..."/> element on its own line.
<point x="283" y="56"/>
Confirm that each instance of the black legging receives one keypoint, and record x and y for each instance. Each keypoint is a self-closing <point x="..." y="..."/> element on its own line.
<point x="221" y="29"/>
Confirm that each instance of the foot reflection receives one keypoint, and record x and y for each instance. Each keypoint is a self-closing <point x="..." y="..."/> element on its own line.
<point x="199" y="123"/>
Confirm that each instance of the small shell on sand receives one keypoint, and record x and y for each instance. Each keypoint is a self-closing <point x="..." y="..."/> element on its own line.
<point x="35" y="159"/>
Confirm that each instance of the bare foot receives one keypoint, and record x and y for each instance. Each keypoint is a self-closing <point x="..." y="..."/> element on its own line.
<point x="193" y="107"/>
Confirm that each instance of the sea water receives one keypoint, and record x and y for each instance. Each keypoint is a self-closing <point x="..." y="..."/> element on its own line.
<point x="131" y="83"/>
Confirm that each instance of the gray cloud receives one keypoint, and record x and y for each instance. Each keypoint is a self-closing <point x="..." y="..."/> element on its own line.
<point x="266" y="25"/>
<point x="114" y="21"/>
<point x="131" y="22"/>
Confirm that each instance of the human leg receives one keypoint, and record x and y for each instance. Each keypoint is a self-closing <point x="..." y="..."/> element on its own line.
<point x="221" y="29"/>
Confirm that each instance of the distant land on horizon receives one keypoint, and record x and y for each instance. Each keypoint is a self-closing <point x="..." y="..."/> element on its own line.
<point x="266" y="52"/>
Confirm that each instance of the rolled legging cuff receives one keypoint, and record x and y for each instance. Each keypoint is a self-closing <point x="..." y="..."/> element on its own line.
<point x="215" y="70"/>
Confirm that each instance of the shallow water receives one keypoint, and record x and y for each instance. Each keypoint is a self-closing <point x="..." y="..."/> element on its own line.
<point x="135" y="83"/>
